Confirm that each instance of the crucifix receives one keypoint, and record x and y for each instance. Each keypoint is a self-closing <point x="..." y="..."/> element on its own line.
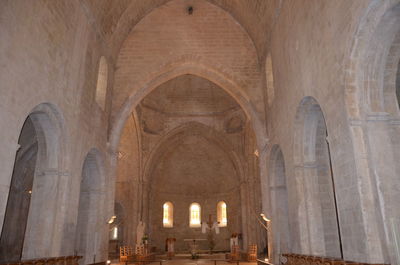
<point x="210" y="225"/>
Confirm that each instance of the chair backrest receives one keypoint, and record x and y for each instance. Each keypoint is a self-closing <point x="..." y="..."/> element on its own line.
<point x="235" y="249"/>
<point x="125" y="251"/>
<point x="252" y="249"/>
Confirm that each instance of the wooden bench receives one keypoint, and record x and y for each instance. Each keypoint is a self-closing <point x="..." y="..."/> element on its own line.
<point x="299" y="259"/>
<point x="67" y="260"/>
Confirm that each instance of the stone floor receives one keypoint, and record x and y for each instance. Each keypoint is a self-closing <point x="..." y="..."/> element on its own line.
<point x="196" y="262"/>
<point x="200" y="262"/>
<point x="192" y="262"/>
<point x="184" y="259"/>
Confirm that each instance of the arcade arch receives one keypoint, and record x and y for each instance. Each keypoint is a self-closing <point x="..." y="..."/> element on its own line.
<point x="37" y="170"/>
<point x="92" y="226"/>
<point x="279" y="202"/>
<point x="317" y="212"/>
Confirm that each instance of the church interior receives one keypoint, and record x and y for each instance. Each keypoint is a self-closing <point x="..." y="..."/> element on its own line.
<point x="199" y="132"/>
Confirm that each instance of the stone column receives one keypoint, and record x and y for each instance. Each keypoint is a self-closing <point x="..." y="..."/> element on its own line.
<point x="368" y="231"/>
<point x="245" y="213"/>
<point x="313" y="210"/>
<point x="383" y="171"/>
<point x="63" y="234"/>
<point x="41" y="238"/>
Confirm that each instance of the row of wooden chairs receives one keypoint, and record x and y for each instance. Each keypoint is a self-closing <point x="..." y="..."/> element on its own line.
<point x="129" y="254"/>
<point x="250" y="255"/>
<point x="67" y="260"/>
<point x="126" y="253"/>
<point x="298" y="259"/>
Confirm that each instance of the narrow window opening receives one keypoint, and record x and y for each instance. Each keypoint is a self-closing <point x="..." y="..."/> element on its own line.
<point x="168" y="209"/>
<point x="102" y="79"/>
<point x="221" y="214"/>
<point x="195" y="214"/>
<point x="114" y="233"/>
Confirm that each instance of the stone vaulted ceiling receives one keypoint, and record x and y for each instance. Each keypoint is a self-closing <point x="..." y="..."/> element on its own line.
<point x="115" y="18"/>
<point x="189" y="95"/>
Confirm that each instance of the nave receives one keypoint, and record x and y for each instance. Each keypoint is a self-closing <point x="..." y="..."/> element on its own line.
<point x="199" y="131"/>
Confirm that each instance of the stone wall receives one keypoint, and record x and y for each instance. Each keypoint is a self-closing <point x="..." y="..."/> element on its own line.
<point x="194" y="171"/>
<point x="50" y="53"/>
<point x="312" y="49"/>
<point x="343" y="54"/>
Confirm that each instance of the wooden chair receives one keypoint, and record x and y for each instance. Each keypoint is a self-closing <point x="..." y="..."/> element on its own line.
<point x="235" y="254"/>
<point x="252" y="252"/>
<point x="299" y="259"/>
<point x="125" y="253"/>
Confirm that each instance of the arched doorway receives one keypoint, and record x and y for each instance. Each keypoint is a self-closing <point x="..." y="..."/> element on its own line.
<point x="91" y="221"/>
<point x="317" y="211"/>
<point x="279" y="203"/>
<point x="16" y="217"/>
<point x="25" y="233"/>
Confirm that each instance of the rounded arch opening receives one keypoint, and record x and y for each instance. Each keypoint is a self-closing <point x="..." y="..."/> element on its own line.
<point x="116" y="231"/>
<point x="222" y="216"/>
<point x="269" y="77"/>
<point x="102" y="83"/>
<point x="183" y="68"/>
<point x="37" y="169"/>
<point x="190" y="164"/>
<point x="371" y="82"/>
<point x="192" y="129"/>
<point x="168" y="214"/>
<point x="280" y="205"/>
<point x="195" y="215"/>
<point x="318" y="210"/>
<point x="91" y="223"/>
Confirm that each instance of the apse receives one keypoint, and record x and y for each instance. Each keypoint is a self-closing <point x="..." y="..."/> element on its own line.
<point x="194" y="170"/>
<point x="181" y="161"/>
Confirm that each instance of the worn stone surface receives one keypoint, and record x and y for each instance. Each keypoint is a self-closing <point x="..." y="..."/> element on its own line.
<point x="235" y="81"/>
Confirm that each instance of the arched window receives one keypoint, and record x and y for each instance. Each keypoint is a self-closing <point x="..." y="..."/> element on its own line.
<point x="168" y="214"/>
<point x="195" y="215"/>
<point x="102" y="79"/>
<point x="221" y="214"/>
<point x="269" y="80"/>
<point x="114" y="233"/>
